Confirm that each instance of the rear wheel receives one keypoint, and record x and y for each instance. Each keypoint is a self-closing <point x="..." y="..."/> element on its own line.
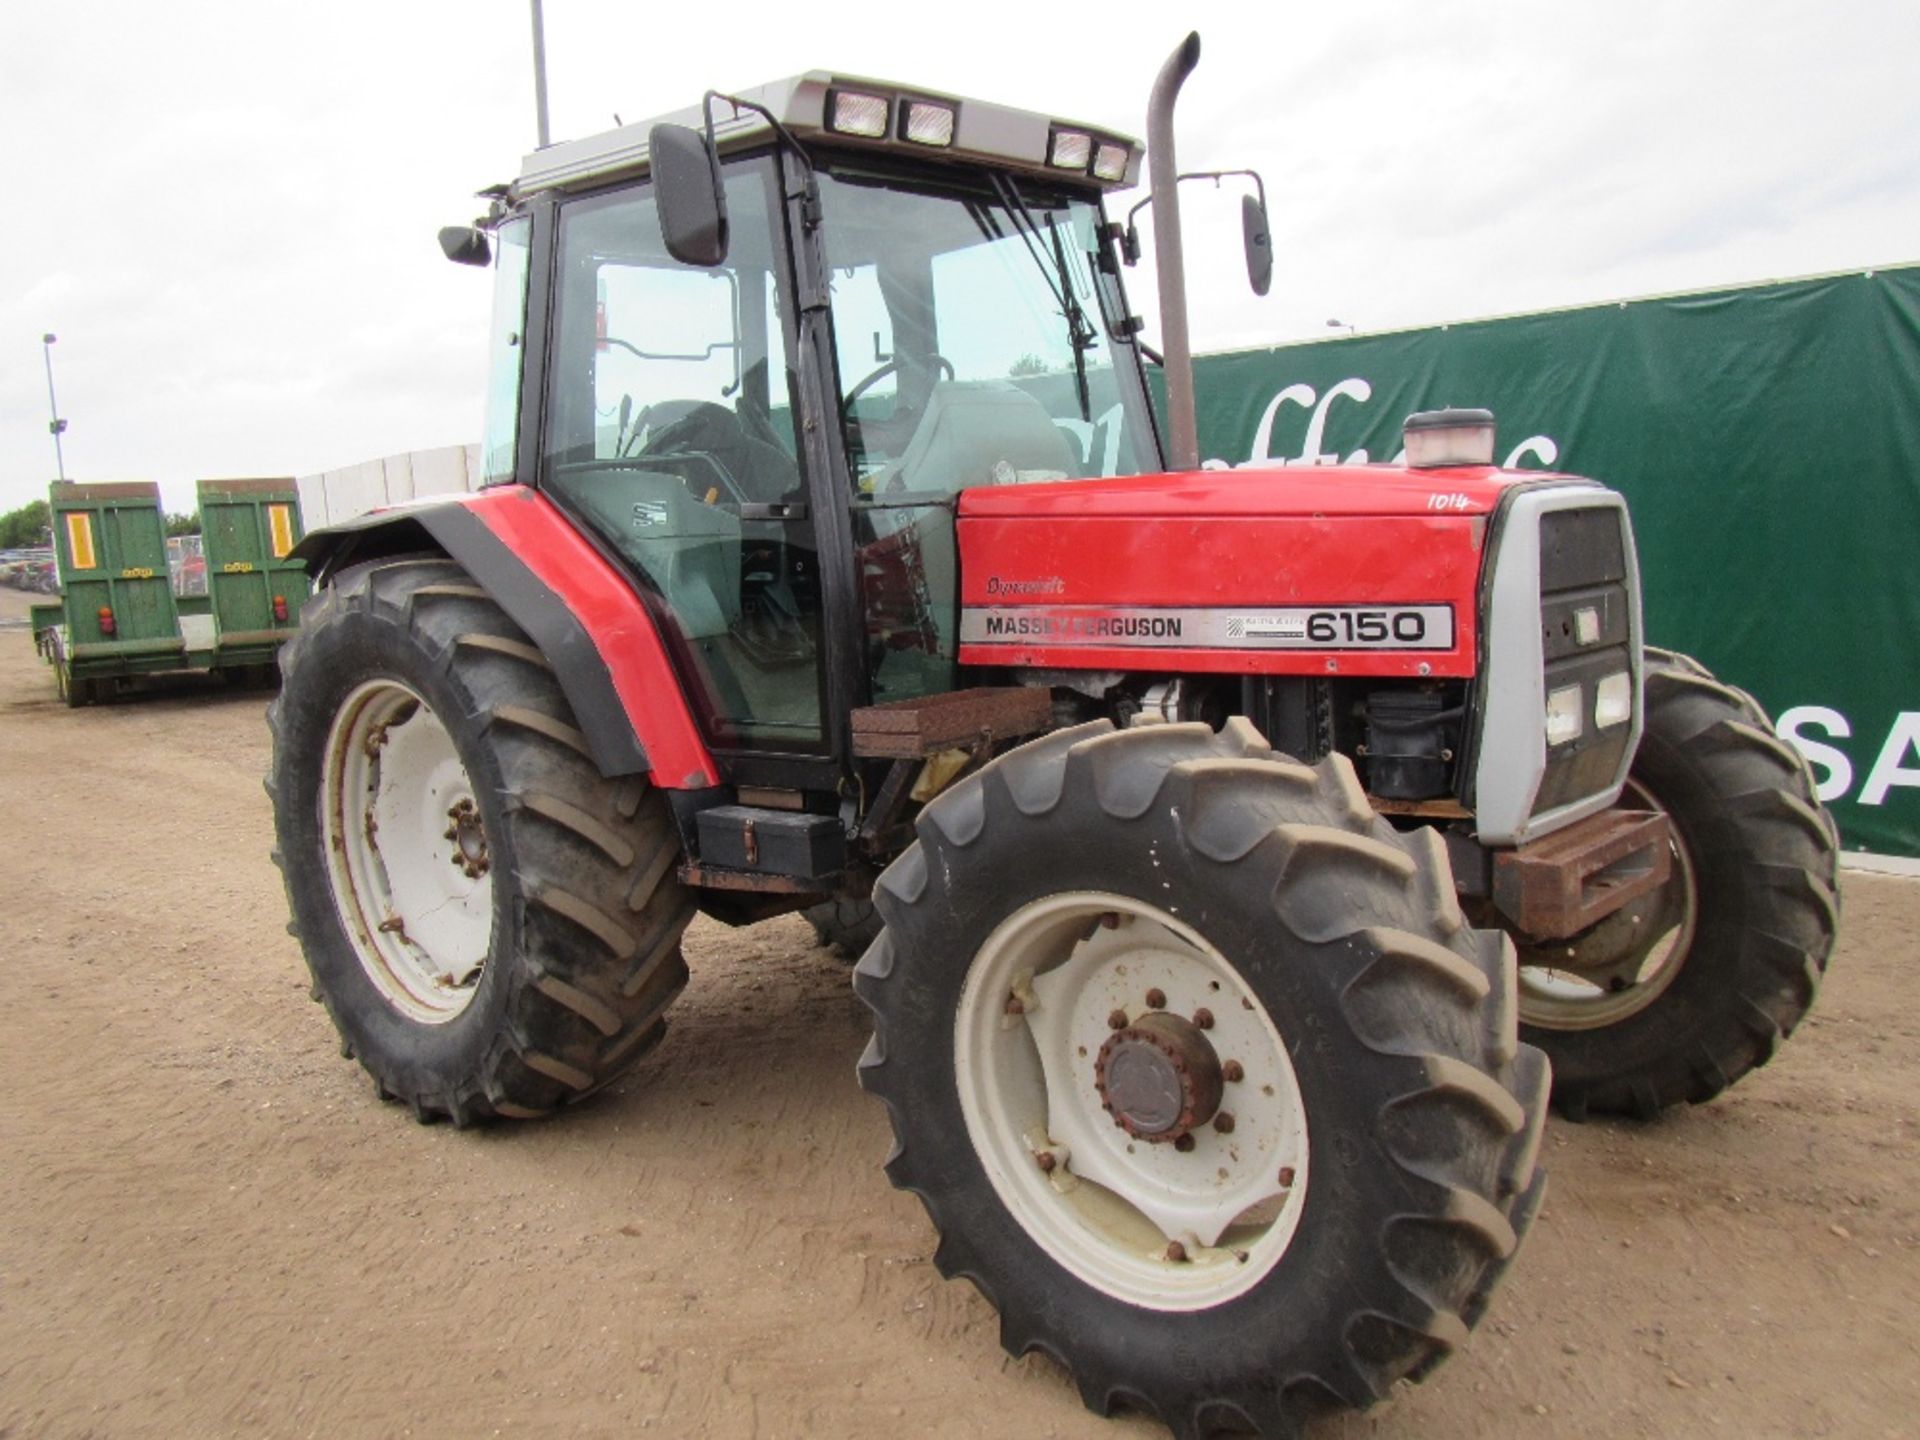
<point x="1200" y="1074"/>
<point x="494" y="928"/>
<point x="1677" y="996"/>
<point x="846" y="923"/>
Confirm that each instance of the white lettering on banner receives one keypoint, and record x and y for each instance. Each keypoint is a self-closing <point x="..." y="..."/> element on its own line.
<point x="1835" y="762"/>
<point x="1889" y="767"/>
<point x="1887" y="770"/>
<point x="1539" y="448"/>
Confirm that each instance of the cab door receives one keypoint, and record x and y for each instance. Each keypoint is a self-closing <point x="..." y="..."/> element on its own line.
<point x="670" y="431"/>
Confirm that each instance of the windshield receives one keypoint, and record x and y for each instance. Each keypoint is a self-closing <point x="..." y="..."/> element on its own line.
<point x="974" y="336"/>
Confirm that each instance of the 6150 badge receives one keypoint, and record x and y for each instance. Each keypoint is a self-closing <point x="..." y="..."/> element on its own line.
<point x="1299" y="627"/>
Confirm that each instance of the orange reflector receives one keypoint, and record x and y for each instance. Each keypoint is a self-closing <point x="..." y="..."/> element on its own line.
<point x="280" y="608"/>
<point x="107" y="627"/>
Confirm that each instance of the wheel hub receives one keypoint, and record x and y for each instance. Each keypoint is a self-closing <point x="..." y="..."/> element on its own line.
<point x="1159" y="1078"/>
<point x="469" y="838"/>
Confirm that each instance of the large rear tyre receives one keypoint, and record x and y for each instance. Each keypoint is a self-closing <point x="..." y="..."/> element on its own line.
<point x="493" y="927"/>
<point x="845" y="923"/>
<point x="1678" y="996"/>
<point x="1200" y="1074"/>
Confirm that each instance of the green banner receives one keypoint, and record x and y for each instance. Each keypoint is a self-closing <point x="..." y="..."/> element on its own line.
<point x="1768" y="441"/>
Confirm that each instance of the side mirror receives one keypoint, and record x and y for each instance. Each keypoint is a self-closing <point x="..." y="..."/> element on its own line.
<point x="1253" y="224"/>
<point x="686" y="188"/>
<point x="466" y="245"/>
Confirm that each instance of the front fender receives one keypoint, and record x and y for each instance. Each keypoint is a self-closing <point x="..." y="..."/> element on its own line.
<point x="586" y="617"/>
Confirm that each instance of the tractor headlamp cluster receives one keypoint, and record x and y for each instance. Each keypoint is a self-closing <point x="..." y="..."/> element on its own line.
<point x="1566" y="708"/>
<point x="872" y="117"/>
<point x="935" y="124"/>
<point x="1081" y="150"/>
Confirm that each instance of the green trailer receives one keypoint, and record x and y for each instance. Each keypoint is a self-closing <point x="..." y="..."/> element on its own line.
<point x="118" y="616"/>
<point x="248" y="529"/>
<point x="117" y="613"/>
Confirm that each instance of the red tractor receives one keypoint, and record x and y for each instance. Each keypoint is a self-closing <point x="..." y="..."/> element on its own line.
<point x="1223" y="849"/>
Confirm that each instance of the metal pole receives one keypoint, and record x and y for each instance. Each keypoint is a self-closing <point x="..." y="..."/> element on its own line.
<point x="540" y="73"/>
<point x="1183" y="438"/>
<point x="56" y="424"/>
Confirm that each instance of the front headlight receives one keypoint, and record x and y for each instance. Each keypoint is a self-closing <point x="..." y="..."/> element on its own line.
<point x="1564" y="720"/>
<point x="1613" y="700"/>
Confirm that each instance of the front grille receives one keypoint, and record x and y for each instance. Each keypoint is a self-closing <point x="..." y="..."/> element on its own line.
<point x="1584" y="578"/>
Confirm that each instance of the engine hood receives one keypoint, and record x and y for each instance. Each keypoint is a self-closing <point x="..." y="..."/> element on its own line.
<point x="1336" y="570"/>
<point x="1329" y="490"/>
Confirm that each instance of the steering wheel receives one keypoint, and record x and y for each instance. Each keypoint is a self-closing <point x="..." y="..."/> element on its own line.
<point x="853" y="395"/>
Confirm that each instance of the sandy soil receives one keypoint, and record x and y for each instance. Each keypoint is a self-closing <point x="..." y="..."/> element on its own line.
<point x="209" y="1226"/>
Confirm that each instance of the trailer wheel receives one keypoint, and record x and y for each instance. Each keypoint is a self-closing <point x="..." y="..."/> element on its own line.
<point x="1676" y="997"/>
<point x="493" y="927"/>
<point x="845" y="923"/>
<point x="1200" y="1074"/>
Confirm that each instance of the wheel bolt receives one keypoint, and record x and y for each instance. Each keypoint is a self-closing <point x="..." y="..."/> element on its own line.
<point x="1203" y="1017"/>
<point x="1183" y="1144"/>
<point x="1223" y="1122"/>
<point x="1016" y="1006"/>
<point x="1110" y="920"/>
<point x="450" y="834"/>
<point x="1156" y="999"/>
<point x="1117" y="1020"/>
<point x="1045" y="1161"/>
<point x="1286" y="1177"/>
<point x="1233" y="1070"/>
<point x="1176" y="1252"/>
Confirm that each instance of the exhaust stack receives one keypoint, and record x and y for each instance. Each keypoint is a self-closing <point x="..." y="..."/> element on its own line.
<point x="1163" y="172"/>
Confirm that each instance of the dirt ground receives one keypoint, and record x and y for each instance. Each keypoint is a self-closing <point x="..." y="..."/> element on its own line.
<point x="209" y="1226"/>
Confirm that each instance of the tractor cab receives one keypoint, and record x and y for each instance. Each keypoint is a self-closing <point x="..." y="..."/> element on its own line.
<point x="916" y="295"/>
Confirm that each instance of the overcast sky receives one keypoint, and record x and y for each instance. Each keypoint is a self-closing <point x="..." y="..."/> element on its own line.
<point x="226" y="209"/>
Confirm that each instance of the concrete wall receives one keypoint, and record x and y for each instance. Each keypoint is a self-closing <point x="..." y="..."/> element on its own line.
<point x="336" y="495"/>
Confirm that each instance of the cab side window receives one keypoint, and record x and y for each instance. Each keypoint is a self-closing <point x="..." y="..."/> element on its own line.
<point x="671" y="433"/>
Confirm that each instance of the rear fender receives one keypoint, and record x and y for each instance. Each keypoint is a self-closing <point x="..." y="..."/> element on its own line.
<point x="586" y="617"/>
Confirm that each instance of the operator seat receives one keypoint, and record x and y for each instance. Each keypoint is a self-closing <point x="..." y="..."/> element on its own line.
<point x="981" y="432"/>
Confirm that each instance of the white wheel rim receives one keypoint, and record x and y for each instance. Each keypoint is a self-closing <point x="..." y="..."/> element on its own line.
<point x="406" y="852"/>
<point x="1146" y="1222"/>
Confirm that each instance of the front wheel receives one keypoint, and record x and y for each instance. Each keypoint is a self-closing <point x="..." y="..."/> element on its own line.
<point x="1678" y="995"/>
<point x="1201" y="1075"/>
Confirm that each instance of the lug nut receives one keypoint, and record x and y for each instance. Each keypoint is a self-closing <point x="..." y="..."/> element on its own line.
<point x="1156" y="999"/>
<point x="1110" y="920"/>
<point x="1117" y="1020"/>
<point x="1203" y="1017"/>
<point x="1176" y="1252"/>
<point x="1286" y="1177"/>
<point x="1015" y="1005"/>
<point x="1183" y="1144"/>
<point x="1232" y="1070"/>
<point x="1223" y="1122"/>
<point x="1045" y="1161"/>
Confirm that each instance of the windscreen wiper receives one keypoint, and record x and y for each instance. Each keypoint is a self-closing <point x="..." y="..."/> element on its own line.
<point x="1059" y="278"/>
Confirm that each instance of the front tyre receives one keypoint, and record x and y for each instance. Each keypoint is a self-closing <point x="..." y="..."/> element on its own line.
<point x="1677" y="996"/>
<point x="493" y="927"/>
<point x="1200" y="1074"/>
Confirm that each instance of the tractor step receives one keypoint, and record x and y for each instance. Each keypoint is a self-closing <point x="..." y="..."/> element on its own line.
<point x="963" y="719"/>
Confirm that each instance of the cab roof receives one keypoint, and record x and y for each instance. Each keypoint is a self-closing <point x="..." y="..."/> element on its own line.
<point x="981" y="133"/>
